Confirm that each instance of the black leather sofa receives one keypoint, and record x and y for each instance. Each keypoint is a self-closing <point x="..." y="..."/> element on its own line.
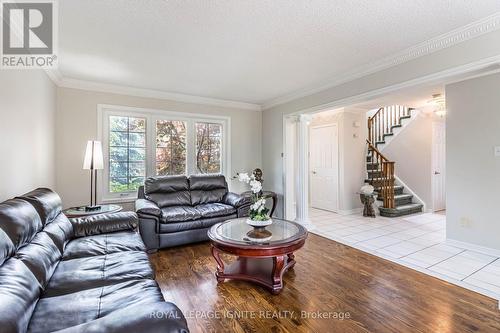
<point x="79" y="275"/>
<point x="176" y="210"/>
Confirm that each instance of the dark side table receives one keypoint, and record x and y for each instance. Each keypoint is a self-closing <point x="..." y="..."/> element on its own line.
<point x="266" y="194"/>
<point x="81" y="212"/>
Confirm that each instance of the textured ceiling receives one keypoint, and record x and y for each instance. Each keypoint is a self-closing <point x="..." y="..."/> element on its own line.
<point x="251" y="51"/>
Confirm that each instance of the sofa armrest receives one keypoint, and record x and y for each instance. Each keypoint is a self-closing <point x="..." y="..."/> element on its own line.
<point x="147" y="207"/>
<point x="236" y="200"/>
<point x="103" y="223"/>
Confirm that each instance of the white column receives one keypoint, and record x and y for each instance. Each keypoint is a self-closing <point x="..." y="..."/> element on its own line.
<point x="302" y="183"/>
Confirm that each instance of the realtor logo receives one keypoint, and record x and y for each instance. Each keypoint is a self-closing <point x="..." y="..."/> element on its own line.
<point x="29" y="34"/>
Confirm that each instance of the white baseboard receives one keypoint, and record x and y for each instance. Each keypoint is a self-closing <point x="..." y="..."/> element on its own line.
<point x="350" y="211"/>
<point x="473" y="247"/>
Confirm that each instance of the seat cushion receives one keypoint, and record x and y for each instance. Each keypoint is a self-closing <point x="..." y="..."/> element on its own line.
<point x="97" y="271"/>
<point x="215" y="210"/>
<point x="99" y="245"/>
<point x="178" y="227"/>
<point x="179" y="214"/>
<point x="59" y="312"/>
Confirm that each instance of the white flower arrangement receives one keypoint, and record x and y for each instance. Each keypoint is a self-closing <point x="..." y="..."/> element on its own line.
<point x="258" y="210"/>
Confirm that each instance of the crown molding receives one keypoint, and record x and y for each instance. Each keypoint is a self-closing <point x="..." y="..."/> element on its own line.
<point x="457" y="36"/>
<point x="452" y="75"/>
<point x="64" y="82"/>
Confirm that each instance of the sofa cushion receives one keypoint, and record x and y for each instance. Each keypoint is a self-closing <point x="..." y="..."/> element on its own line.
<point x="59" y="312"/>
<point x="172" y="227"/>
<point x="46" y="202"/>
<point x="179" y="214"/>
<point x="168" y="191"/>
<point x="99" y="245"/>
<point x="20" y="221"/>
<point x="60" y="230"/>
<point x="98" y="271"/>
<point x="207" y="188"/>
<point x="7" y="248"/>
<point x="159" y="317"/>
<point x="41" y="256"/>
<point x="19" y="292"/>
<point x="203" y="223"/>
<point x="215" y="210"/>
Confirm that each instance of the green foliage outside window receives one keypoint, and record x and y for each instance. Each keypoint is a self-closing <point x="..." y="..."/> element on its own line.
<point x="127" y="153"/>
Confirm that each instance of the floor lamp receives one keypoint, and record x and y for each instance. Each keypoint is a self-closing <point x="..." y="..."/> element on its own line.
<point x="93" y="161"/>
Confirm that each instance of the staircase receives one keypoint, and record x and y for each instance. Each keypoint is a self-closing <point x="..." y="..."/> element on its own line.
<point x="380" y="170"/>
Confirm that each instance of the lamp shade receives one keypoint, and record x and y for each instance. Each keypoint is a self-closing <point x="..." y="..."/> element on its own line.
<point x="93" y="156"/>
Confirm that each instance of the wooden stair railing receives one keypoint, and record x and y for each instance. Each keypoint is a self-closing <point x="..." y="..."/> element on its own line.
<point x="385" y="179"/>
<point x="384" y="120"/>
<point x="380" y="125"/>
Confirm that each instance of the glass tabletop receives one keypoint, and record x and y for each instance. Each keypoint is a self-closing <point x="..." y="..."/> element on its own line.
<point x="237" y="231"/>
<point x="80" y="211"/>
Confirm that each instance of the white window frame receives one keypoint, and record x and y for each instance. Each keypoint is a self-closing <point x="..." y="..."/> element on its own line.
<point x="104" y="111"/>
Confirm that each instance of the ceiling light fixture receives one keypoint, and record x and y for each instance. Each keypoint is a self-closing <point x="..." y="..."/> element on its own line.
<point x="440" y="104"/>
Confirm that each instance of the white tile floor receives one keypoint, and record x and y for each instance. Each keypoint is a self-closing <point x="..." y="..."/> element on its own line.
<point x="416" y="241"/>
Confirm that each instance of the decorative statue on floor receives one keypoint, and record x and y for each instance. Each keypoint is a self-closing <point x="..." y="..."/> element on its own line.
<point x="367" y="196"/>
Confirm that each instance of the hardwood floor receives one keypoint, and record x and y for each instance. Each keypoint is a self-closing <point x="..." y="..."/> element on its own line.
<point x="329" y="279"/>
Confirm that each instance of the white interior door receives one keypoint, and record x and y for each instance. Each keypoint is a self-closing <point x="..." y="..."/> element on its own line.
<point x="438" y="166"/>
<point x="324" y="167"/>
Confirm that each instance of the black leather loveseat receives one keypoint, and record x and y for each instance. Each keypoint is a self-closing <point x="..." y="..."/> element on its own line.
<point x="176" y="210"/>
<point x="80" y="275"/>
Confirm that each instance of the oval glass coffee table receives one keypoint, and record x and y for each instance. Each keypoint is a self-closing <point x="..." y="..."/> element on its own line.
<point x="81" y="212"/>
<point x="264" y="254"/>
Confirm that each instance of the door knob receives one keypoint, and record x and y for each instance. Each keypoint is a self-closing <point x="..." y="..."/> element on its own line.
<point x="314" y="172"/>
<point x="437" y="172"/>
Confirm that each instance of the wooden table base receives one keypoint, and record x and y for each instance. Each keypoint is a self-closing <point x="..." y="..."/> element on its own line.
<point x="267" y="272"/>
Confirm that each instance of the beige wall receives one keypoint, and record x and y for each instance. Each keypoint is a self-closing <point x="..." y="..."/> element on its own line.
<point x="354" y="160"/>
<point x="412" y="151"/>
<point x="77" y="123"/>
<point x="27" y="118"/>
<point x="472" y="170"/>
<point x="462" y="54"/>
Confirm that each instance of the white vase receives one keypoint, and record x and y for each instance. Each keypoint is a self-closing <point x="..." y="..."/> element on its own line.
<point x="259" y="224"/>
